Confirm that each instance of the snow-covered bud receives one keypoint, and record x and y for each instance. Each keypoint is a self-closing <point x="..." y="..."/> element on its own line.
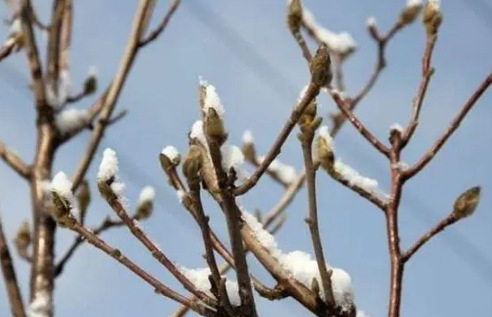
<point x="62" y="197"/>
<point x="467" y="203"/>
<point x="214" y="127"/>
<point x="23" y="238"/>
<point x="432" y="17"/>
<point x="192" y="163"/>
<point x="396" y="132"/>
<point x="169" y="157"/>
<point x="83" y="199"/>
<point x="145" y="205"/>
<point x="411" y="12"/>
<point x="372" y="28"/>
<point x="326" y="155"/>
<point x="248" y="148"/>
<point x="320" y="67"/>
<point x="294" y="16"/>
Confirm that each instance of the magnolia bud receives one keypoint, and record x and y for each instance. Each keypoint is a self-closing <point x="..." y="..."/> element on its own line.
<point x="214" y="127"/>
<point x="192" y="163"/>
<point x="320" y="67"/>
<point x="23" y="238"/>
<point x="467" y="203"/>
<point x="90" y="85"/>
<point x="410" y="13"/>
<point x="432" y="17"/>
<point x="294" y="16"/>
<point x="326" y="156"/>
<point x="61" y="207"/>
<point x="84" y="199"/>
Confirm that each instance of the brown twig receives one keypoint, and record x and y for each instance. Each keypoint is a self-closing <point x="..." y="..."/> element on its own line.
<point x="162" y="26"/>
<point x="118" y="256"/>
<point x="140" y="24"/>
<point x="107" y="224"/>
<point x="53" y="54"/>
<point x="274" y="151"/>
<point x="33" y="56"/>
<point x="427" y="72"/>
<point x="115" y="204"/>
<point x="438" y="228"/>
<point x="344" y="107"/>
<point x="397" y="265"/>
<point x="14" y="161"/>
<point x="429" y="155"/>
<point x="66" y="35"/>
<point x="312" y="220"/>
<point x="9" y="47"/>
<point x="381" y="41"/>
<point x="10" y="277"/>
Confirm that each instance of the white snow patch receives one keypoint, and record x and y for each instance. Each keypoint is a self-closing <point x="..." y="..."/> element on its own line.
<point x="71" y="119"/>
<point x="147" y="194"/>
<point x="171" y="153"/>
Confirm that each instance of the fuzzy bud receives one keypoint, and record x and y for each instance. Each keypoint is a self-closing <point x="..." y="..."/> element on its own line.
<point x="432" y="17"/>
<point x="214" y="127"/>
<point x="61" y="207"/>
<point x="144" y="210"/>
<point x="83" y="199"/>
<point x="467" y="203"/>
<point x="325" y="154"/>
<point x="192" y="163"/>
<point x="23" y="237"/>
<point x="90" y="85"/>
<point x="294" y="16"/>
<point x="410" y="13"/>
<point x="320" y="67"/>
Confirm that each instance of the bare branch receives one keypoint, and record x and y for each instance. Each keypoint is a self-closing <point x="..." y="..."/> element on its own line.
<point x="107" y="224"/>
<point x="14" y="161"/>
<point x="274" y="151"/>
<point x="118" y="256"/>
<point x="109" y="100"/>
<point x="162" y="26"/>
<point x="428" y="156"/>
<point x="345" y="108"/>
<point x="53" y="60"/>
<point x="312" y="220"/>
<point x="115" y="204"/>
<point x="10" y="277"/>
<point x="33" y="56"/>
<point x="10" y="46"/>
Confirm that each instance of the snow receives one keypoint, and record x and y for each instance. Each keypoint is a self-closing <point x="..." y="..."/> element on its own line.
<point x="212" y="99"/>
<point x="286" y="173"/>
<point x="340" y="43"/>
<point x="248" y="137"/>
<point x="199" y="278"/>
<point x="62" y="186"/>
<point x="147" y="194"/>
<point x="232" y="157"/>
<point x="354" y="178"/>
<point x="92" y="71"/>
<point x="361" y="313"/>
<point x="16" y="27"/>
<point x="414" y="3"/>
<point x="371" y="21"/>
<point x="324" y="133"/>
<point x="171" y="153"/>
<point x="396" y="127"/>
<point x="40" y="306"/>
<point x="71" y="119"/>
<point x="108" y="171"/>
<point x="435" y="5"/>
<point x="57" y="99"/>
<point x="198" y="133"/>
<point x="181" y="194"/>
<point x="302" y="267"/>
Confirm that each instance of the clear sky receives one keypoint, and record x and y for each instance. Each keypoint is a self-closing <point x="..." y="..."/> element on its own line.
<point x="258" y="89"/>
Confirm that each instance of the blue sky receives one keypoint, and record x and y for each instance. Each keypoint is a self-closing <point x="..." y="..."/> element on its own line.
<point x="161" y="96"/>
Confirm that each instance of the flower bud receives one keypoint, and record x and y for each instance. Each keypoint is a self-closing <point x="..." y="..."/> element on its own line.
<point x="192" y="163"/>
<point x="432" y="17"/>
<point x="326" y="156"/>
<point x="214" y="127"/>
<point x="24" y="237"/>
<point x="410" y="13"/>
<point x="467" y="203"/>
<point x="320" y="67"/>
<point x="90" y="85"/>
<point x="294" y="16"/>
<point x="83" y="199"/>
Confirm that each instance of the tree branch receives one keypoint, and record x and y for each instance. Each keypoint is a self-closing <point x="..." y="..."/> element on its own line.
<point x="312" y="220"/>
<point x="10" y="277"/>
<point x="162" y="26"/>
<point x="451" y="129"/>
<point x="14" y="161"/>
<point x="118" y="256"/>
<point x="311" y="93"/>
